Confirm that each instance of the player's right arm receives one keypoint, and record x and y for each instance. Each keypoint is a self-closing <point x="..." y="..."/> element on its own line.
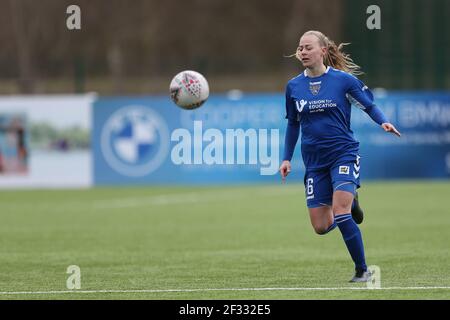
<point x="292" y="133"/>
<point x="361" y="96"/>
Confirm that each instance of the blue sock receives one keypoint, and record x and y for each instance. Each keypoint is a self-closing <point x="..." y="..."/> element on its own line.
<point x="333" y="225"/>
<point x="353" y="239"/>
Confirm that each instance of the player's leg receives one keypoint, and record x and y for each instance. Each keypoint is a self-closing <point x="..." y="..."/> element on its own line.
<point x="345" y="183"/>
<point x="343" y="195"/>
<point x="322" y="219"/>
<point x="357" y="212"/>
<point x="319" y="194"/>
<point x="342" y="203"/>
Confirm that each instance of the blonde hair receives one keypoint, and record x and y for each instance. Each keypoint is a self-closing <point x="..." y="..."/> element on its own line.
<point x="334" y="56"/>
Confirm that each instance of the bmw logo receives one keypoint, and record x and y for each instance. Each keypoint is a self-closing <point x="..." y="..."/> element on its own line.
<point x="135" y="141"/>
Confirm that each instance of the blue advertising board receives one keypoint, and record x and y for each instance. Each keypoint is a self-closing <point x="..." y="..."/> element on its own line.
<point x="423" y="151"/>
<point x="148" y="140"/>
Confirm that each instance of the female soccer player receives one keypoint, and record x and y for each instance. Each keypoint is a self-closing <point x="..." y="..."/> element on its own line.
<point x="319" y="101"/>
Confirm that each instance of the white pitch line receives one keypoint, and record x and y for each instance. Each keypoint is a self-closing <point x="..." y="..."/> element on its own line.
<point x="218" y="289"/>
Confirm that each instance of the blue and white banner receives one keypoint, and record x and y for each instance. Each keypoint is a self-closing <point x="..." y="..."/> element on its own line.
<point x="423" y="151"/>
<point x="150" y="140"/>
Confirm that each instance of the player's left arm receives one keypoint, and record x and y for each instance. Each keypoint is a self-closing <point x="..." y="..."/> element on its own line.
<point x="361" y="96"/>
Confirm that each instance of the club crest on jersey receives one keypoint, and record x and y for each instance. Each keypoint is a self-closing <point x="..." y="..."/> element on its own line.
<point x="314" y="87"/>
<point x="300" y="105"/>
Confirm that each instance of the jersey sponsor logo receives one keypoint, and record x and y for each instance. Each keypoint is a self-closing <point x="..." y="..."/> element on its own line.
<point x="321" y="105"/>
<point x="134" y="141"/>
<point x="300" y="105"/>
<point x="344" y="169"/>
<point x="314" y="87"/>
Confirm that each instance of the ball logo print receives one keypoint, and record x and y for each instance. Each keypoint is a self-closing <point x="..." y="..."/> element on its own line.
<point x="192" y="84"/>
<point x="189" y="89"/>
<point x="134" y="141"/>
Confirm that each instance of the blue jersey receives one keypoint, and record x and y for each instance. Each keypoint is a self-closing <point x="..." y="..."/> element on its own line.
<point x="322" y="108"/>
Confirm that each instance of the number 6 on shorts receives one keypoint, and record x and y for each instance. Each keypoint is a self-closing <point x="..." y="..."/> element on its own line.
<point x="309" y="188"/>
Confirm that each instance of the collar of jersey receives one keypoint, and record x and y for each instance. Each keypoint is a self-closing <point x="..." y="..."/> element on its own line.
<point x="326" y="71"/>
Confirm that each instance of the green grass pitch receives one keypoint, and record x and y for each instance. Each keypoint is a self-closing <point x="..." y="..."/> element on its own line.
<point x="176" y="238"/>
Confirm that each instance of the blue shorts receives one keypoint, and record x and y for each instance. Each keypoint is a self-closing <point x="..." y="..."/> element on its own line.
<point x="320" y="184"/>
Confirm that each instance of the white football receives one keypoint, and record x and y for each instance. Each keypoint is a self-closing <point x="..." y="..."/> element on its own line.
<point x="189" y="89"/>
